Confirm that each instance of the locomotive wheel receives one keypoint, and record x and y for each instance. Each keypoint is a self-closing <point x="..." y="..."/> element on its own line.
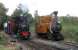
<point x="42" y="35"/>
<point x="24" y="38"/>
<point x="60" y="37"/>
<point x="57" y="37"/>
<point x="49" y="36"/>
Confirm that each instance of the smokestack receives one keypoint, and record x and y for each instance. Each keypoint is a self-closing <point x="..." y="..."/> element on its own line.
<point x="36" y="13"/>
<point x="55" y="16"/>
<point x="36" y="16"/>
<point x="55" y="13"/>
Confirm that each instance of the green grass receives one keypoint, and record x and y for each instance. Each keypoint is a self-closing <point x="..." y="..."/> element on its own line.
<point x="3" y="40"/>
<point x="70" y="28"/>
<point x="3" y="48"/>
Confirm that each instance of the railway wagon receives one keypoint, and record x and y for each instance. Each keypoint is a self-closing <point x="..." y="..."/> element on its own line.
<point x="49" y="27"/>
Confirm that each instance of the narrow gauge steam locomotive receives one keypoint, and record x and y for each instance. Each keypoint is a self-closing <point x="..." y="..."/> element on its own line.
<point x="49" y="27"/>
<point x="20" y="28"/>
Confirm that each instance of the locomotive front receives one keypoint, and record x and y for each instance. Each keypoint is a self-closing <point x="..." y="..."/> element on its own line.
<point x="22" y="27"/>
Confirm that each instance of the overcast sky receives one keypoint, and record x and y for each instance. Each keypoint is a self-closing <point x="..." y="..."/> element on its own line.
<point x="45" y="7"/>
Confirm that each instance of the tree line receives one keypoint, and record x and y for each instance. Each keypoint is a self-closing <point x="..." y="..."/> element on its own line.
<point x="17" y="12"/>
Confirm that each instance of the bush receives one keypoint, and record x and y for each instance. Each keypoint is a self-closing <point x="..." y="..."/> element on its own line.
<point x="3" y="39"/>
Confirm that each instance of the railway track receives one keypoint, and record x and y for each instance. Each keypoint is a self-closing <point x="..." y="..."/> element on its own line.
<point x="60" y="45"/>
<point x="41" y="44"/>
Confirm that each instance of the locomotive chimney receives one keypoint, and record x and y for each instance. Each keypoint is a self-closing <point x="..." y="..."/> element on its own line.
<point x="36" y="16"/>
<point x="55" y="16"/>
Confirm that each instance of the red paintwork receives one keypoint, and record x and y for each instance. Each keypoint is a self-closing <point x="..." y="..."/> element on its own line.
<point x="24" y="33"/>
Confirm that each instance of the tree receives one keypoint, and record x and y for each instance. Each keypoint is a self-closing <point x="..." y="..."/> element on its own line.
<point x="17" y="12"/>
<point x="29" y="16"/>
<point x="20" y="11"/>
<point x="3" y="15"/>
<point x="3" y="10"/>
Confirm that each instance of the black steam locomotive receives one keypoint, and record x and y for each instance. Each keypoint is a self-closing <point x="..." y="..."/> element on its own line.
<point x="20" y="28"/>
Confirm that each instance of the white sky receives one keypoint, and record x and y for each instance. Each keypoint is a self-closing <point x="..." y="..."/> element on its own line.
<point x="45" y="7"/>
